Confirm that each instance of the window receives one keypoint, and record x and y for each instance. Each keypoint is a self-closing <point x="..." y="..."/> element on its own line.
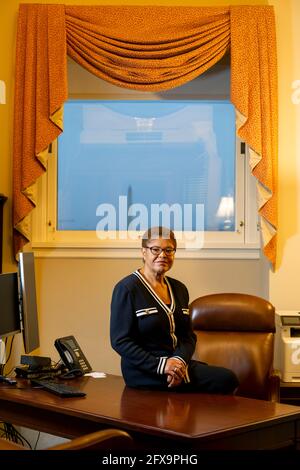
<point x="122" y="165"/>
<point x="143" y="157"/>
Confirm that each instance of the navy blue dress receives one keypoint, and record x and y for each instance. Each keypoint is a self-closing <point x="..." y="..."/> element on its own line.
<point x="146" y="332"/>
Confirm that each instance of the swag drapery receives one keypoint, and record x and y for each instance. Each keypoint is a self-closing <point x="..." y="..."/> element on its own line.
<point x="148" y="48"/>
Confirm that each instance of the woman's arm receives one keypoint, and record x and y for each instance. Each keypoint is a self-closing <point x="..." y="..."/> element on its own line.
<point x="124" y="333"/>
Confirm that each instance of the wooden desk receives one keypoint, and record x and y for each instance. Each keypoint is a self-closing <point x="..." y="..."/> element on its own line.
<point x="155" y="419"/>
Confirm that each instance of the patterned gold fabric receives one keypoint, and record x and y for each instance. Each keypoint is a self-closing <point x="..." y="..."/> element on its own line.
<point x="40" y="91"/>
<point x="254" y="94"/>
<point x="147" y="48"/>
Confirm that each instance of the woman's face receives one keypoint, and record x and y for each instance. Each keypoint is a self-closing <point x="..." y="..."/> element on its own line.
<point x="156" y="262"/>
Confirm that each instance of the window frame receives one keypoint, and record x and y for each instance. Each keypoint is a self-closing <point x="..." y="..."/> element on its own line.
<point x="244" y="243"/>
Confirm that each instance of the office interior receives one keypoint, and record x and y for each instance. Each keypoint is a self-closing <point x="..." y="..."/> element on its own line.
<point x="74" y="293"/>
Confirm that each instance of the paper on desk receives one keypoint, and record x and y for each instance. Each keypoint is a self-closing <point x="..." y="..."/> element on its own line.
<point x="96" y="375"/>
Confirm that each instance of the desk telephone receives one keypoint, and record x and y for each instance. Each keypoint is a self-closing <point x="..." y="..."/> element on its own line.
<point x="71" y="354"/>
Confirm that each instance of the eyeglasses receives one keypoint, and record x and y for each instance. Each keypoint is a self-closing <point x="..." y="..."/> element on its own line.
<point x="157" y="250"/>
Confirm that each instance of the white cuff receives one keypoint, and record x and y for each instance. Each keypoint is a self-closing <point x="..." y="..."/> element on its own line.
<point x="162" y="365"/>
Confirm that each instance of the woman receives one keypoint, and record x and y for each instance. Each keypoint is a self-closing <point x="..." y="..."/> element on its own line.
<point x="151" y="328"/>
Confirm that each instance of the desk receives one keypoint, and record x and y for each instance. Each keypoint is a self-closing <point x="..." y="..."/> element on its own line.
<point x="156" y="420"/>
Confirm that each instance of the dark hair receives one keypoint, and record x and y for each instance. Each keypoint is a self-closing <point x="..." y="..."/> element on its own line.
<point x="158" y="232"/>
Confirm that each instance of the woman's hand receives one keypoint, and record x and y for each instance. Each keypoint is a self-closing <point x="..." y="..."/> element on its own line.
<point x="175" y="370"/>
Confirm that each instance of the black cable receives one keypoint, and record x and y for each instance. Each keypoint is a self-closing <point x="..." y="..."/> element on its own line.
<point x="12" y="434"/>
<point x="37" y="440"/>
<point x="2" y="429"/>
<point x="55" y="364"/>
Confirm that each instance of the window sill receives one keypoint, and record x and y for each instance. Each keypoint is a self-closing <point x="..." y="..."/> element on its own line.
<point x="68" y="250"/>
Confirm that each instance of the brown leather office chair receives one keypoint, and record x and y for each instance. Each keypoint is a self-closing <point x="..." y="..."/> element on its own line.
<point x="237" y="331"/>
<point x="105" y="439"/>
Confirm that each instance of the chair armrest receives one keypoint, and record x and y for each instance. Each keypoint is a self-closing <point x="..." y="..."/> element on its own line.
<point x="112" y="439"/>
<point x="274" y="386"/>
<point x="9" y="445"/>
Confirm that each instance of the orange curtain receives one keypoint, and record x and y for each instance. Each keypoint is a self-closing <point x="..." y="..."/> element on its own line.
<point x="40" y="91"/>
<point x="254" y="94"/>
<point x="146" y="48"/>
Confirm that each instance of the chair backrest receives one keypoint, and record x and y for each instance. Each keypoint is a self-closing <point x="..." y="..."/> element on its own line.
<point x="237" y="331"/>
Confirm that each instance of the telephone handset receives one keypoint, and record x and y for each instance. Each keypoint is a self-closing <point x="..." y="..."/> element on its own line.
<point x="71" y="354"/>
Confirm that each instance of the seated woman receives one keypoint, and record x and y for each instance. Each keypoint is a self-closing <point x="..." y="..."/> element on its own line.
<point x="151" y="328"/>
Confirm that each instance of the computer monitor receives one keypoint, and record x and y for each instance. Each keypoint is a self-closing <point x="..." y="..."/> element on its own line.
<point x="10" y="322"/>
<point x="28" y="302"/>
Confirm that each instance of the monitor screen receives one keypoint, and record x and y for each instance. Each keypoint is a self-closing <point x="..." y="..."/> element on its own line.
<point x="28" y="302"/>
<point x="10" y="322"/>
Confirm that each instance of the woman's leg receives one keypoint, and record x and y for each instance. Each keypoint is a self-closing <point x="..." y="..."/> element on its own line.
<point x="210" y="379"/>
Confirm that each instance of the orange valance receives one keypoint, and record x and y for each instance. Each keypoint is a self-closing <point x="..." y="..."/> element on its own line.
<point x="147" y="48"/>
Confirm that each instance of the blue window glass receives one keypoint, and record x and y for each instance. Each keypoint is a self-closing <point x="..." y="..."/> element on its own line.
<point x="140" y="155"/>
